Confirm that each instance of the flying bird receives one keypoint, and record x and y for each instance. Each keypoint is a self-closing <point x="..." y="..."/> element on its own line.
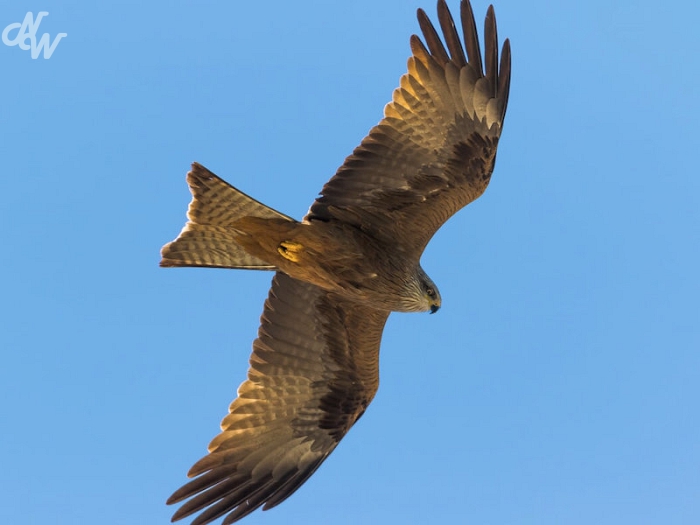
<point x="351" y="261"/>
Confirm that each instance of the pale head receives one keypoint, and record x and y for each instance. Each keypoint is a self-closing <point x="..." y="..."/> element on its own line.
<point x="422" y="294"/>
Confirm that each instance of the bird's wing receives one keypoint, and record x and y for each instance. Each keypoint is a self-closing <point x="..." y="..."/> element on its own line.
<point x="313" y="371"/>
<point x="435" y="148"/>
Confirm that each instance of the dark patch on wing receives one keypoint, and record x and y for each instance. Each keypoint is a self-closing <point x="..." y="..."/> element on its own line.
<point x="434" y="150"/>
<point x="313" y="371"/>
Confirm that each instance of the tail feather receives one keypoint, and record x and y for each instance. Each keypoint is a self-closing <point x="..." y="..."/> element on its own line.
<point x="209" y="246"/>
<point x="208" y="238"/>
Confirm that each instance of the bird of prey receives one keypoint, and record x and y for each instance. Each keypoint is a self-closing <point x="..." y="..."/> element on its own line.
<point x="351" y="261"/>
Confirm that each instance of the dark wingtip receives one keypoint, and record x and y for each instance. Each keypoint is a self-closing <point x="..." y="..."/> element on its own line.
<point x="504" y="79"/>
<point x="491" y="43"/>
<point x="471" y="39"/>
<point x="449" y="31"/>
<point x="432" y="38"/>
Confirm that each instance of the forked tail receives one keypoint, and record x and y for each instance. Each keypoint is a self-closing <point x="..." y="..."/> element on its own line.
<point x="208" y="238"/>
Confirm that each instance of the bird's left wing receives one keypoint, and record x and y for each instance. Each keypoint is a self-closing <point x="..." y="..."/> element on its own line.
<point x="313" y="371"/>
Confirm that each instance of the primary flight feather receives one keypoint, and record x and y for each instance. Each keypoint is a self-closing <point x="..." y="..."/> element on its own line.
<point x="351" y="261"/>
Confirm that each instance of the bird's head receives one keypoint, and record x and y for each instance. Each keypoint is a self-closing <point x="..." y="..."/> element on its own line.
<point x="430" y="299"/>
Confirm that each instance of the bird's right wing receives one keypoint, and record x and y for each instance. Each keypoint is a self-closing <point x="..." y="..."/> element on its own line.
<point x="435" y="148"/>
<point x="313" y="371"/>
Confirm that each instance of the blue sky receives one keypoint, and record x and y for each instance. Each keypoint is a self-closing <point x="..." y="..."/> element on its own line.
<point x="558" y="384"/>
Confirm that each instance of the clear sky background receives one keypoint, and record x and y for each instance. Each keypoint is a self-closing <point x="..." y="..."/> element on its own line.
<point x="560" y="382"/>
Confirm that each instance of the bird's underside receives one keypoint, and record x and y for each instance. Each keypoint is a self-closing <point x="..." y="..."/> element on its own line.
<point x="353" y="259"/>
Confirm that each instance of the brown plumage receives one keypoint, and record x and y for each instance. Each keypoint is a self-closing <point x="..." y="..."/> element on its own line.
<point x="351" y="261"/>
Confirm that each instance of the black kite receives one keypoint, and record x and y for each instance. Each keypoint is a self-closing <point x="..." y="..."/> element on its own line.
<point x="352" y="260"/>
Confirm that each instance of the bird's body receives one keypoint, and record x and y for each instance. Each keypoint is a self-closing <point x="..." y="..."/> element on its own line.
<point x="341" y="270"/>
<point x="331" y="254"/>
<point x="336" y="257"/>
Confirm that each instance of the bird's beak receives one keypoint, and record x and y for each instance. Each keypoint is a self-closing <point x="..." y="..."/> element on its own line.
<point x="434" y="308"/>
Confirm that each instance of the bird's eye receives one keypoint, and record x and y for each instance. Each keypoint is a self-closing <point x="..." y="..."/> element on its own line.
<point x="430" y="292"/>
